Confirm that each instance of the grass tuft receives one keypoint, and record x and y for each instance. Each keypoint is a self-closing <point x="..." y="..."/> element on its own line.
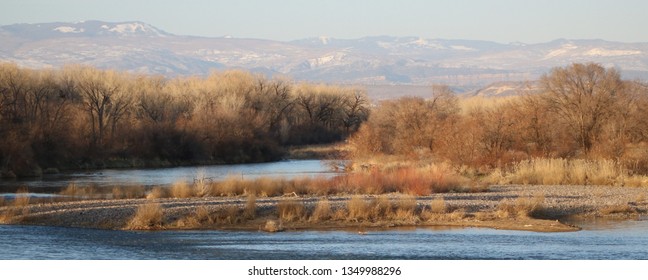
<point x="76" y="192"/>
<point x="129" y="192"/>
<point x="523" y="207"/>
<point x="22" y="198"/>
<point x="250" y="207"/>
<point x="181" y="189"/>
<point x="273" y="226"/>
<point x="438" y="206"/>
<point x="406" y="209"/>
<point x="157" y="193"/>
<point x="322" y="211"/>
<point x="147" y="217"/>
<point x="358" y="208"/>
<point x="291" y="210"/>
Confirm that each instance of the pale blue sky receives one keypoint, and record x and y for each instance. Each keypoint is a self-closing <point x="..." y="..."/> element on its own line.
<point x="496" y="20"/>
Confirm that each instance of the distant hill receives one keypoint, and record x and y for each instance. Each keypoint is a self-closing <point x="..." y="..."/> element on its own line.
<point x="463" y="64"/>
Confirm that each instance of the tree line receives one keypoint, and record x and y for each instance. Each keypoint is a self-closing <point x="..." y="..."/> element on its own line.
<point x="79" y="117"/>
<point x="581" y="111"/>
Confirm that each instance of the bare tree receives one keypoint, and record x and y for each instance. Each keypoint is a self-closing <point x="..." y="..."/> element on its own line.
<point x="104" y="99"/>
<point x="356" y="110"/>
<point x="585" y="96"/>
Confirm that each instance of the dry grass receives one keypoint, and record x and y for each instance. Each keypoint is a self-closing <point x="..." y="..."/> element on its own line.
<point x="201" y="185"/>
<point x="438" y="206"/>
<point x="542" y="171"/>
<point x="322" y="211"/>
<point x="16" y="212"/>
<point x="199" y="218"/>
<point x="406" y="180"/>
<point x="147" y="217"/>
<point x="13" y="215"/>
<point x="181" y="189"/>
<point x="382" y="207"/>
<point x="457" y="214"/>
<point x="230" y="215"/>
<point x="128" y="192"/>
<point x="291" y="210"/>
<point x="483" y="216"/>
<point x="231" y="186"/>
<point x="340" y="214"/>
<point x="273" y="226"/>
<point x="523" y="207"/>
<point x="22" y="198"/>
<point x="9" y="216"/>
<point x="250" y="207"/>
<point x="157" y="193"/>
<point x="358" y="208"/>
<point x="79" y="192"/>
<point x="635" y="181"/>
<point x="267" y="187"/>
<point x="406" y="209"/>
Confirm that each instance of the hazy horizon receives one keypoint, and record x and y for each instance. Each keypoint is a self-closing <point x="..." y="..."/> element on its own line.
<point x="502" y="21"/>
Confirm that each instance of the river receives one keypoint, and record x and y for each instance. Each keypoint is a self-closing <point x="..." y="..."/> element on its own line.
<point x="167" y="176"/>
<point x="612" y="240"/>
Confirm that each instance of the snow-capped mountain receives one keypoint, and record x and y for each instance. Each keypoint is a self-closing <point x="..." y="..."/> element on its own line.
<point x="142" y="48"/>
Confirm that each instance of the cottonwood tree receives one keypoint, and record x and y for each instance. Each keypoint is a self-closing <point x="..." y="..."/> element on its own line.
<point x="356" y="110"/>
<point x="585" y="96"/>
<point x="105" y="99"/>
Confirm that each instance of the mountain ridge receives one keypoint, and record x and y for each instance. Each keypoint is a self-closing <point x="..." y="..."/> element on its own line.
<point x="376" y="60"/>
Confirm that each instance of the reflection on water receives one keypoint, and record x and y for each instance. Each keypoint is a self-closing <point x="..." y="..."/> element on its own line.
<point x="618" y="240"/>
<point x="166" y="176"/>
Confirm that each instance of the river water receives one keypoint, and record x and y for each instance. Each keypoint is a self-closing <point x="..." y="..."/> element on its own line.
<point x="612" y="240"/>
<point x="167" y="176"/>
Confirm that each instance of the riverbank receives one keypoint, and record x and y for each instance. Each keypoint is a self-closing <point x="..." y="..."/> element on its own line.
<point x="515" y="207"/>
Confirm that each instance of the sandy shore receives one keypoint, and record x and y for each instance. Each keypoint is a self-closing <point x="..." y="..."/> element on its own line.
<point x="463" y="209"/>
